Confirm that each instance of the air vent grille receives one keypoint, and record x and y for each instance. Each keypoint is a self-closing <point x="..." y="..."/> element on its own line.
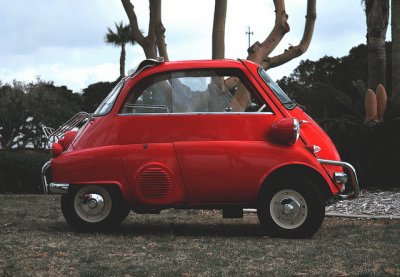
<point x="155" y="182"/>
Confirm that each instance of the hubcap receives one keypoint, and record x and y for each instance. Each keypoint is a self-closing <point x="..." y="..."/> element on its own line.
<point x="288" y="209"/>
<point x="92" y="203"/>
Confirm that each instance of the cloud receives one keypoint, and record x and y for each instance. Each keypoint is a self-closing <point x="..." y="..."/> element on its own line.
<point x="63" y="40"/>
<point x="76" y="77"/>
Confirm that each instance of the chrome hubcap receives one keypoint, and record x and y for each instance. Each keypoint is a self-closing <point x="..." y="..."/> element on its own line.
<point x="288" y="209"/>
<point x="92" y="203"/>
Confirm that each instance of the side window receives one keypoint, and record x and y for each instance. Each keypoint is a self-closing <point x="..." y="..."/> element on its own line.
<point x="196" y="91"/>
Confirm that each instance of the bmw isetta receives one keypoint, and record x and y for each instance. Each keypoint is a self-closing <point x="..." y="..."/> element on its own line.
<point x="216" y="134"/>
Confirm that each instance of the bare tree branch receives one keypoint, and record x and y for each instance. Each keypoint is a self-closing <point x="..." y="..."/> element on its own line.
<point x="148" y="43"/>
<point x="301" y="48"/>
<point x="218" y="33"/>
<point x="259" y="51"/>
<point x="130" y="12"/>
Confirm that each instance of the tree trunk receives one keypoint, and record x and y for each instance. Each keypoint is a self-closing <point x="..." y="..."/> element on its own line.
<point x="122" y="61"/>
<point x="259" y="51"/>
<point x="377" y="22"/>
<point x="218" y="33"/>
<point x="159" y="30"/>
<point x="301" y="48"/>
<point x="148" y="43"/>
<point x="396" y="49"/>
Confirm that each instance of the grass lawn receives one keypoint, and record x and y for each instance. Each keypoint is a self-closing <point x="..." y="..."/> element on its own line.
<point x="36" y="241"/>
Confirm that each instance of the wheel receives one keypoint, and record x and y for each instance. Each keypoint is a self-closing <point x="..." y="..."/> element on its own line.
<point x="291" y="207"/>
<point x="93" y="208"/>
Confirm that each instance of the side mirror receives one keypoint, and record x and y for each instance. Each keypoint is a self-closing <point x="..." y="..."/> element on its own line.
<point x="286" y="131"/>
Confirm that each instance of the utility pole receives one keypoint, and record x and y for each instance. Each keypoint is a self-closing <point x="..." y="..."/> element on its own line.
<point x="248" y="33"/>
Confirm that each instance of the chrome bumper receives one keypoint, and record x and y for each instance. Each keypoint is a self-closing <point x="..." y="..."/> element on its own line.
<point x="351" y="172"/>
<point x="52" y="188"/>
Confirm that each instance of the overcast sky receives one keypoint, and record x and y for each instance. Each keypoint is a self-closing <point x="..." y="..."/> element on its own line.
<point x="63" y="40"/>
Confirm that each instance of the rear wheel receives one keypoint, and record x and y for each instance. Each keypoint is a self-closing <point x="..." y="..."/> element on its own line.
<point x="291" y="207"/>
<point x="93" y="208"/>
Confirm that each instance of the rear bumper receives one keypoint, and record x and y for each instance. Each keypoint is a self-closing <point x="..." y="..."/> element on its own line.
<point x="52" y="188"/>
<point x="352" y="188"/>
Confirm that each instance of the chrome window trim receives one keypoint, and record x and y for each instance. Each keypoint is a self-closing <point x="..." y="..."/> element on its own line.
<point x="196" y="113"/>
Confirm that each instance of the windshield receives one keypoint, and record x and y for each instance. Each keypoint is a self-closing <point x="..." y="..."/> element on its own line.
<point x="282" y="96"/>
<point x="107" y="104"/>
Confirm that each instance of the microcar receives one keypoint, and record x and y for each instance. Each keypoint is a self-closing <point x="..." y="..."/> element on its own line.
<point x="210" y="134"/>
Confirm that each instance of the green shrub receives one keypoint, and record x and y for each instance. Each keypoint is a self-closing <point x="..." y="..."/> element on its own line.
<point x="20" y="170"/>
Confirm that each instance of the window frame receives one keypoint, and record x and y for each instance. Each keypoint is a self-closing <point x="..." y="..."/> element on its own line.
<point x="143" y="84"/>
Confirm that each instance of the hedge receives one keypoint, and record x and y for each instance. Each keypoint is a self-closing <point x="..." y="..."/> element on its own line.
<point x="20" y="171"/>
<point x="374" y="151"/>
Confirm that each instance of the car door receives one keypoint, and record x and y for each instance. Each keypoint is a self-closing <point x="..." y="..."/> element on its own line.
<point x="223" y="151"/>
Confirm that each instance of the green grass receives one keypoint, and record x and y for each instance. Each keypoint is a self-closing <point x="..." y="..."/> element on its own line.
<point x="36" y="241"/>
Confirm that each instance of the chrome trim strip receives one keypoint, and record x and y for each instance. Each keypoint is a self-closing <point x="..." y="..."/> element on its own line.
<point x="196" y="113"/>
<point x="45" y="167"/>
<point x="353" y="178"/>
<point x="58" y="188"/>
<point x="340" y="178"/>
<point x="52" y="188"/>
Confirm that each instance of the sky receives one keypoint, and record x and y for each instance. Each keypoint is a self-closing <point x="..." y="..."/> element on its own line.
<point x="63" y="40"/>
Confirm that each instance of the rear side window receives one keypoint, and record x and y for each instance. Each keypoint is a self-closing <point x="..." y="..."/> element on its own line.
<point x="107" y="104"/>
<point x="195" y="91"/>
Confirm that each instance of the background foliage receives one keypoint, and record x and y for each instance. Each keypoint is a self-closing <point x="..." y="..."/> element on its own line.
<point x="20" y="170"/>
<point x="332" y="90"/>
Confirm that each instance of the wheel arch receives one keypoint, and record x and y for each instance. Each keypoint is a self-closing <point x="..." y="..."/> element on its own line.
<point x="298" y="169"/>
<point x="119" y="188"/>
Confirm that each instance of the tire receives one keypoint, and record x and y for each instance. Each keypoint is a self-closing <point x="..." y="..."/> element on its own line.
<point x="291" y="207"/>
<point x="93" y="208"/>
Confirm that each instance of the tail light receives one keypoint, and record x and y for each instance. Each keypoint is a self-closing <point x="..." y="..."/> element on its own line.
<point x="57" y="148"/>
<point x="68" y="138"/>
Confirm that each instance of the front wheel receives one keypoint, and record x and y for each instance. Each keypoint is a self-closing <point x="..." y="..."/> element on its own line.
<point x="93" y="208"/>
<point x="291" y="207"/>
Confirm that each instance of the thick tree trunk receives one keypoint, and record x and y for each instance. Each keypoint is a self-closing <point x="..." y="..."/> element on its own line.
<point x="218" y="33"/>
<point x="122" y="61"/>
<point x="159" y="30"/>
<point x="376" y="62"/>
<point x="377" y="22"/>
<point x="396" y="49"/>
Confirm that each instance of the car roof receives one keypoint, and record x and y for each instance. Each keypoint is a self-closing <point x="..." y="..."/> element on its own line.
<point x="185" y="64"/>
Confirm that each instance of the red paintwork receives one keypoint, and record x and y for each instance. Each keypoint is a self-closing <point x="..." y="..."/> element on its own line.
<point x="193" y="159"/>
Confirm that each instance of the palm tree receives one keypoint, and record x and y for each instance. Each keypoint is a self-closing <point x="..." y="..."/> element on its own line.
<point x="121" y="37"/>
<point x="377" y="12"/>
<point x="396" y="49"/>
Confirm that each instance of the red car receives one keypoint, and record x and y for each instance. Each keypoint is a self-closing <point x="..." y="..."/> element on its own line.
<point x="214" y="134"/>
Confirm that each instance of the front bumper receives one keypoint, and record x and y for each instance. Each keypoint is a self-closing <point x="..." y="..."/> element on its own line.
<point x="52" y="188"/>
<point x="354" y="190"/>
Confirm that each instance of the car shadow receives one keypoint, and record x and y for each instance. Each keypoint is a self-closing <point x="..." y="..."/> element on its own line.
<point x="184" y="229"/>
<point x="191" y="229"/>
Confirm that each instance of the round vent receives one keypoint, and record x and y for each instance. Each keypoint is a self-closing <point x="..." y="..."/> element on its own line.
<point x="154" y="182"/>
